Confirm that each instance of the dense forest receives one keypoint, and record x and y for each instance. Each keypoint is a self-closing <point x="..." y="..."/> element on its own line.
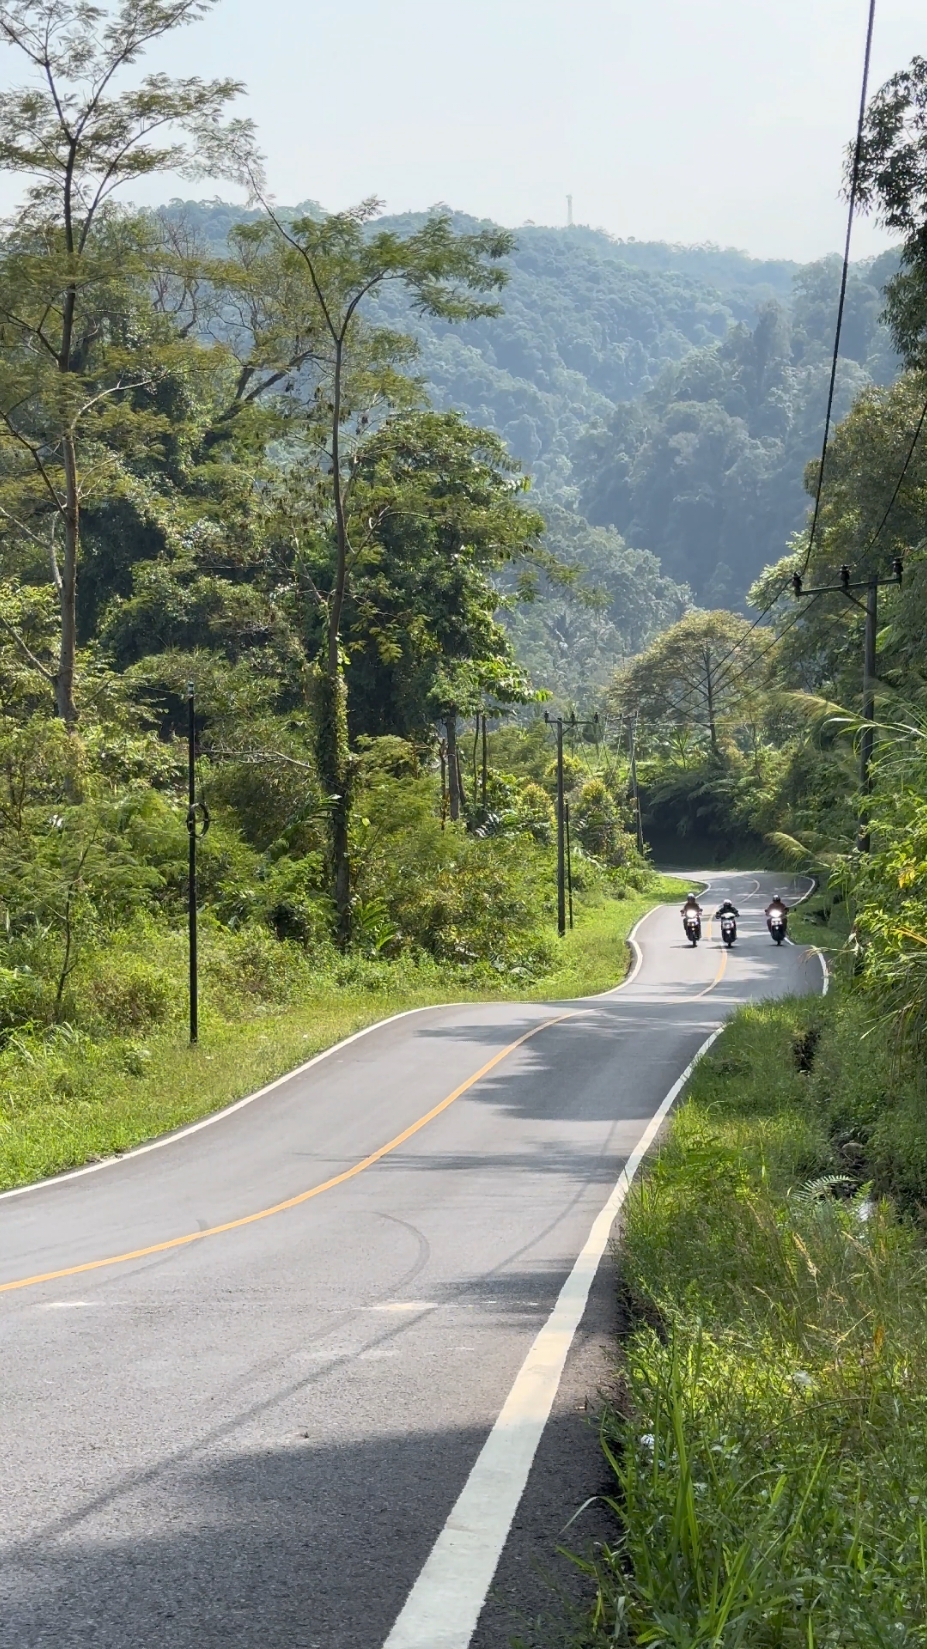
<point x="669" y="396"/>
<point x="360" y="497"/>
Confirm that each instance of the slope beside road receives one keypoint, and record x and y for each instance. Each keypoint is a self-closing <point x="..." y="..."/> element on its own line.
<point x="248" y="1373"/>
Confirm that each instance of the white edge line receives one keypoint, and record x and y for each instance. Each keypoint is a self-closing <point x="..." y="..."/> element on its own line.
<point x="227" y="1110"/>
<point x="444" y="1605"/>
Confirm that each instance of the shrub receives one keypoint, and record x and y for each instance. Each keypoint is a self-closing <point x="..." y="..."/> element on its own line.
<point x="124" y="992"/>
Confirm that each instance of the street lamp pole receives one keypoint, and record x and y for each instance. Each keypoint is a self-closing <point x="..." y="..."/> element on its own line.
<point x="194" y="811"/>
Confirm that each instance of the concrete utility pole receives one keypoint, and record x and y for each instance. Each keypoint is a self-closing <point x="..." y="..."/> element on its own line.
<point x="569" y="211"/>
<point x="871" y="610"/>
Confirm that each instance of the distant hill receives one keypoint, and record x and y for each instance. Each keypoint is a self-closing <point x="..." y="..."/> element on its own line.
<point x="668" y="396"/>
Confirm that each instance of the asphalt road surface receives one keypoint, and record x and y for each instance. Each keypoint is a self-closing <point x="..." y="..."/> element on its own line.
<point x="253" y="1437"/>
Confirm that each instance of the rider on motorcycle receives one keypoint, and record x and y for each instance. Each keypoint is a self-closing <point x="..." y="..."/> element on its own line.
<point x="692" y="909"/>
<point x="726" y="908"/>
<point x="777" y="908"/>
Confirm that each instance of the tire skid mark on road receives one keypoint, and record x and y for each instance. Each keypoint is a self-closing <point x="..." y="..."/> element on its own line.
<point x="302" y="1196"/>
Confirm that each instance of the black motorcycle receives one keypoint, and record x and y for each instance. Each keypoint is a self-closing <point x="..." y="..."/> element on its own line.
<point x="728" y="928"/>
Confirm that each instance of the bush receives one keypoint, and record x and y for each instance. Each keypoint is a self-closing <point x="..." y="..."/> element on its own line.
<point x="123" y="993"/>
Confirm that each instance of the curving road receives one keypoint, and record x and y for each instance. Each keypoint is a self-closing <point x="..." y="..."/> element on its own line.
<point x="247" y="1372"/>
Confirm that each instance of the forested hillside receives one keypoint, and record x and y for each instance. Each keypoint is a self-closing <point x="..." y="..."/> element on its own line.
<point x="671" y="394"/>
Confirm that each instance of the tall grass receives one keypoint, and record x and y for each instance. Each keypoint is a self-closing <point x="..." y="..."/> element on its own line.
<point x="769" y="1448"/>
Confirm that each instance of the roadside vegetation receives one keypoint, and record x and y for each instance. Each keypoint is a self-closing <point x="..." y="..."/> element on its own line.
<point x="767" y="1444"/>
<point x="764" y="1438"/>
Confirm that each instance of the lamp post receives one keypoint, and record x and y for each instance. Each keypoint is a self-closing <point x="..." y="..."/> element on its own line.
<point x="197" y="824"/>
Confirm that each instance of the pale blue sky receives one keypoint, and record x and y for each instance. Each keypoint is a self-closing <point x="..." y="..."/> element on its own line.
<point x="720" y="120"/>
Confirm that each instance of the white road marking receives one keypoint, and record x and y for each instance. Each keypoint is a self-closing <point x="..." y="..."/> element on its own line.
<point x="405" y="1305"/>
<point x="65" y="1305"/>
<point x="444" y="1605"/>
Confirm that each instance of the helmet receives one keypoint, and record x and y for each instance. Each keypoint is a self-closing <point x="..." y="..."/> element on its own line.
<point x="694" y="896"/>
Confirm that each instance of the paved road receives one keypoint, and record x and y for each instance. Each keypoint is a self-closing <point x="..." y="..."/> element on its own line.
<point x="253" y="1439"/>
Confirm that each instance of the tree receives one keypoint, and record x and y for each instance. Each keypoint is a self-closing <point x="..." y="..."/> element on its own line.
<point x="440" y="509"/>
<point x="354" y="377"/>
<point x="893" y="181"/>
<point x="699" y="673"/>
<point x="69" y="370"/>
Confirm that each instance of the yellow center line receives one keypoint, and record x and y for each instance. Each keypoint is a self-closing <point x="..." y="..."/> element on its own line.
<point x="304" y="1196"/>
<point x="717" y="978"/>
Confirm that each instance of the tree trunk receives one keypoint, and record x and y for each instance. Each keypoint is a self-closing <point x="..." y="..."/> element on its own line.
<point x="335" y="775"/>
<point x="67" y="594"/>
<point x="453" y="768"/>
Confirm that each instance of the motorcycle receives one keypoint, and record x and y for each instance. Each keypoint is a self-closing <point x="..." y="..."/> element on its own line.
<point x="692" y="926"/>
<point x="777" y="927"/>
<point x="728" y="929"/>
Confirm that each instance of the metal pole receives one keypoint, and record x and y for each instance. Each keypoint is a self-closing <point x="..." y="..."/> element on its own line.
<point x="191" y="830"/>
<point x="561" y="867"/>
<point x="868" y="734"/>
<point x="485" y="764"/>
<point x="569" y="862"/>
<point x="632" y="731"/>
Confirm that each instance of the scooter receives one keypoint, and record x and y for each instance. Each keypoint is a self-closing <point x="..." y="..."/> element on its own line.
<point x="777" y="927"/>
<point x="728" y="929"/>
<point x="693" y="929"/>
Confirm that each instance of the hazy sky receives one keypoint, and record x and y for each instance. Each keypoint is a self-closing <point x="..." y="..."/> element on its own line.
<point x="723" y="120"/>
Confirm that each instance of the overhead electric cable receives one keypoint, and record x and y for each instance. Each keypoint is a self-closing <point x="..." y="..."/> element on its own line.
<point x="851" y="209"/>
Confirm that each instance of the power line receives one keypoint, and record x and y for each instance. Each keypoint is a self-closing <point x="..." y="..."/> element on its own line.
<point x="854" y="187"/>
<point x="851" y="209"/>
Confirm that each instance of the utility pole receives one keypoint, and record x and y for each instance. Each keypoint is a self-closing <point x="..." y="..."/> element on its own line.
<point x="632" y="742"/>
<point x="569" y="862"/>
<point x="569" y="211"/>
<point x="871" y="610"/>
<point x="867" y="739"/>
<point x="557" y="722"/>
<point x="193" y="814"/>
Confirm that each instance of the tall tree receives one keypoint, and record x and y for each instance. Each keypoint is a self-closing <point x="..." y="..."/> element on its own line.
<point x="356" y="374"/>
<point x="697" y="674"/>
<point x="76" y="140"/>
<point x="893" y="182"/>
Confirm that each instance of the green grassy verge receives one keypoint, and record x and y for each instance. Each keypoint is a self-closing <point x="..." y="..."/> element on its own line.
<point x="68" y="1098"/>
<point x="769" y="1446"/>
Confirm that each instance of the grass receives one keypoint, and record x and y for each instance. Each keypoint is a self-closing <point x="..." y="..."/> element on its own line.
<point x="68" y="1098"/>
<point x="769" y="1445"/>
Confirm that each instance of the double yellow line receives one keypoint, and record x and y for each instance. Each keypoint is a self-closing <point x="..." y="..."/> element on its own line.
<point x="291" y="1202"/>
